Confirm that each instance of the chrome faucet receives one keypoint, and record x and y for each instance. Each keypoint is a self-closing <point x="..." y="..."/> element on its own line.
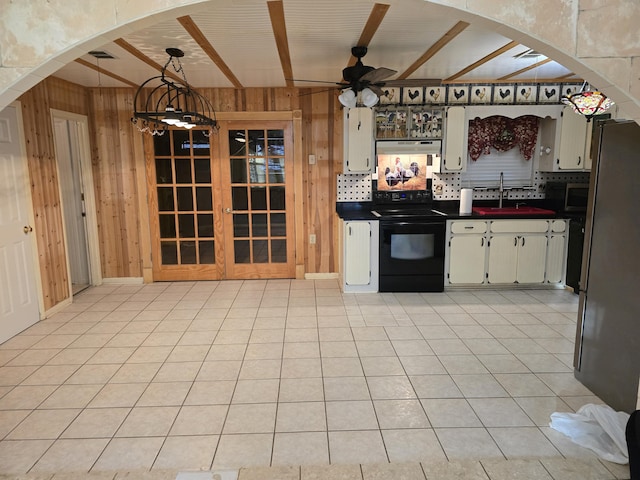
<point x="501" y="189"/>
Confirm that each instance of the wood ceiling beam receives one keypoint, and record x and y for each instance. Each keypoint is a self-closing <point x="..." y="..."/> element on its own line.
<point x="435" y="48"/>
<point x="141" y="56"/>
<point x="481" y="81"/>
<point x="195" y="32"/>
<point x="106" y="72"/>
<point x="276" y="14"/>
<point x="376" y="16"/>
<point x="483" y="60"/>
<point x="525" y="69"/>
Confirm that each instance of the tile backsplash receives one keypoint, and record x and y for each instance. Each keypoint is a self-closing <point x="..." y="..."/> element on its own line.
<point x="356" y="187"/>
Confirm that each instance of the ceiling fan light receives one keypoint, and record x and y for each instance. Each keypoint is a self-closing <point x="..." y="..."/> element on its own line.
<point x="369" y="98"/>
<point x="348" y="98"/>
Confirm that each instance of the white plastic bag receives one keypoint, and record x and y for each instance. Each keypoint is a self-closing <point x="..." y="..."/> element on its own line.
<point x="598" y="428"/>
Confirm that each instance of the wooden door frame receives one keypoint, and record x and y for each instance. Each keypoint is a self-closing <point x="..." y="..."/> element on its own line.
<point x="86" y="177"/>
<point x="295" y="117"/>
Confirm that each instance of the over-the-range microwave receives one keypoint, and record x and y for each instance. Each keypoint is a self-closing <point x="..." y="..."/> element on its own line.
<point x="405" y="164"/>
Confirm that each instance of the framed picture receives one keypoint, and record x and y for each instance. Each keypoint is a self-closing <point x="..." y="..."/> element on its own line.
<point x="426" y="123"/>
<point x="480" y="94"/>
<point x="412" y="95"/>
<point x="504" y="94"/>
<point x="526" y="93"/>
<point x="391" y="96"/>
<point x="457" y="94"/>
<point x="549" y="93"/>
<point x="391" y="123"/>
<point x="435" y="95"/>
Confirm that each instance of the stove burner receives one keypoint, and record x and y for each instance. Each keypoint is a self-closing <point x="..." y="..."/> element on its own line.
<point x="407" y="212"/>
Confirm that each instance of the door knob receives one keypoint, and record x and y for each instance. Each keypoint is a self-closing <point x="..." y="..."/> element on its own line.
<point x="27" y="228"/>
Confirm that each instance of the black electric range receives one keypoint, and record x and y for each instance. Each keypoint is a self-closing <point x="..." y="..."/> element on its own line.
<point x="390" y="205"/>
<point x="412" y="242"/>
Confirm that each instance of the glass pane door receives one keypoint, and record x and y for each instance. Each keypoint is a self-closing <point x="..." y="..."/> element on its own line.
<point x="257" y="194"/>
<point x="183" y="217"/>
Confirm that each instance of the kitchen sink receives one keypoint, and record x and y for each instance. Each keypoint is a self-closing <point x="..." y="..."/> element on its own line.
<point x="512" y="211"/>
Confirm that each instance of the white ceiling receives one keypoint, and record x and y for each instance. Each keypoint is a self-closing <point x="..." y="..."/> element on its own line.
<point x="320" y="35"/>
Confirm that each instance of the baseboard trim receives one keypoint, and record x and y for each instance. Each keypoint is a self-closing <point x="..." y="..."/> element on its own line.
<point x="57" y="308"/>
<point x="320" y="276"/>
<point x="123" y="281"/>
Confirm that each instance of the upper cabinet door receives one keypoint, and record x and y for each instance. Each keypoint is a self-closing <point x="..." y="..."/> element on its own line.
<point x="455" y="143"/>
<point x="573" y="136"/>
<point x="358" y="140"/>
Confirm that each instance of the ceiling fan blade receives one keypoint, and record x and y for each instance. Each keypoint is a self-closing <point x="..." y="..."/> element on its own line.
<point x="326" y="82"/>
<point x="318" y="91"/>
<point x="377" y="90"/>
<point x="377" y="75"/>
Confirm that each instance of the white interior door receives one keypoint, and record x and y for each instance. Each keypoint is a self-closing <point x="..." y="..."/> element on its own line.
<point x="68" y="153"/>
<point x="18" y="294"/>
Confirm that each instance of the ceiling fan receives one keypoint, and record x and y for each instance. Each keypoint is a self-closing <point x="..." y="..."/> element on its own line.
<point x="363" y="84"/>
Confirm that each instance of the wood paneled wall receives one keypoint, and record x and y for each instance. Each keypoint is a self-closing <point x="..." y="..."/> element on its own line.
<point x="117" y="158"/>
<point x="43" y="172"/>
<point x="118" y="161"/>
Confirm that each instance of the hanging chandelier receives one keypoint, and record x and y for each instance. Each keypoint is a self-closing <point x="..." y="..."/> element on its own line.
<point x="160" y="102"/>
<point x="588" y="103"/>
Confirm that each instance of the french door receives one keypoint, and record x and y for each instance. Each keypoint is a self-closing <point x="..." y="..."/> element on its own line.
<point x="221" y="206"/>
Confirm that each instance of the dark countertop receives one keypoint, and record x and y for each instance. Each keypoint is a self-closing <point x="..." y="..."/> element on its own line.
<point x="362" y="210"/>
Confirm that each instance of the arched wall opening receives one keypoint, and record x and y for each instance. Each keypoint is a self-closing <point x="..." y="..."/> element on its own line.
<point x="26" y="59"/>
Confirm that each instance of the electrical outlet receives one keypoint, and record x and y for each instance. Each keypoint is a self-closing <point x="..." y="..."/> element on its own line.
<point x="312" y="159"/>
<point x="312" y="239"/>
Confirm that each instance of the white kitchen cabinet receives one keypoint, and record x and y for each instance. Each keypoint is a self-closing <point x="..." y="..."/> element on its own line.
<point x="556" y="261"/>
<point x="360" y="256"/>
<point x="569" y="143"/>
<point x="517" y="251"/>
<point x="467" y="258"/>
<point x="454" y="157"/>
<point x="358" y="140"/>
<point x="517" y="258"/>
<point x="466" y="252"/>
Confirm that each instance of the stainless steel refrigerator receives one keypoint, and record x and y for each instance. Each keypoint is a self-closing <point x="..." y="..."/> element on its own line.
<point x="607" y="355"/>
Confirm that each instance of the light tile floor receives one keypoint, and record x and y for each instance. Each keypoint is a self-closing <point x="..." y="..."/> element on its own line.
<point x="207" y="376"/>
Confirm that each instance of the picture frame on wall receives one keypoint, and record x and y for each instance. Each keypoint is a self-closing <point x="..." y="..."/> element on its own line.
<point x="526" y="93"/>
<point x="435" y="95"/>
<point x="457" y="94"/>
<point x="549" y="93"/>
<point x="390" y="96"/>
<point x="412" y="95"/>
<point x="480" y="94"/>
<point x="391" y="123"/>
<point x="426" y="123"/>
<point x="504" y="94"/>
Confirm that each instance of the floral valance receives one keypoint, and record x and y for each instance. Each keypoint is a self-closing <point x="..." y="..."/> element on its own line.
<point x="502" y="134"/>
